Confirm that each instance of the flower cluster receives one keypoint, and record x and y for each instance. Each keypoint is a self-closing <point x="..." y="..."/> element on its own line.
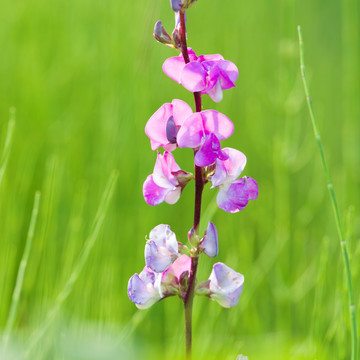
<point x="171" y="266"/>
<point x="166" y="272"/>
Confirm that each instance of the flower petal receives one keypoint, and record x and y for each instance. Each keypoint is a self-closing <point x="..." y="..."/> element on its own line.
<point x="252" y="186"/>
<point x="193" y="77"/>
<point x="209" y="152"/>
<point x="215" y="92"/>
<point x="234" y="197"/>
<point x="161" y="249"/>
<point x="191" y="132"/>
<point x="217" y="123"/>
<point x="181" y="111"/>
<point x="180" y="265"/>
<point x="231" y="71"/>
<point x="173" y="67"/>
<point x="153" y="194"/>
<point x="210" y="243"/>
<point x="155" y="128"/>
<point x="225" y="285"/>
<point x="142" y="290"/>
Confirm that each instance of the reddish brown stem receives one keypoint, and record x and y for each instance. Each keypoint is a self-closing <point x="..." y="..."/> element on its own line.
<point x="199" y="186"/>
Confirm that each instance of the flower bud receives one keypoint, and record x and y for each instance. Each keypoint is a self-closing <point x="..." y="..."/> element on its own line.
<point x="209" y="244"/>
<point x="176" y="5"/>
<point x="161" y="35"/>
<point x="193" y="238"/>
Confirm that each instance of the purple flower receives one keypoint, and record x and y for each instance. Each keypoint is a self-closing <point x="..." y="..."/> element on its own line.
<point x="225" y="285"/>
<point x="166" y="182"/>
<point x="210" y="244"/>
<point x="233" y="194"/>
<point x="149" y="287"/>
<point x="209" y="74"/>
<point x="161" y="250"/>
<point x="144" y="289"/>
<point x="204" y="130"/>
<point x="163" y="126"/>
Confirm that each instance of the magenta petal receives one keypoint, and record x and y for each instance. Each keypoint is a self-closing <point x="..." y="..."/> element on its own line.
<point x="193" y="77"/>
<point x="173" y="67"/>
<point x="252" y="186"/>
<point x="153" y="194"/>
<point x="191" y="132"/>
<point x="214" y="57"/>
<point x="217" y="123"/>
<point x="230" y="69"/>
<point x="209" y="152"/>
<point x="234" y="198"/>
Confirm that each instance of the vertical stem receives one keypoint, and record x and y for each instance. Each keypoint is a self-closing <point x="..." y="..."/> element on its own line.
<point x="199" y="186"/>
<point x="339" y="225"/>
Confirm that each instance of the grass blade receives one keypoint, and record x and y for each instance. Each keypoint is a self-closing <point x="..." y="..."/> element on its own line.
<point x="339" y="225"/>
<point x="21" y="272"/>
<point x="89" y="244"/>
<point x="7" y="147"/>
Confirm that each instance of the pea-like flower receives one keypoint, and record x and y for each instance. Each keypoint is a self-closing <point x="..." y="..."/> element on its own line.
<point x="209" y="244"/>
<point x="144" y="288"/>
<point x="149" y="287"/>
<point x="208" y="74"/>
<point x="174" y="280"/>
<point x="234" y="194"/>
<point x="204" y="130"/>
<point x="225" y="285"/>
<point x="161" y="250"/>
<point x="164" y="124"/>
<point x="166" y="182"/>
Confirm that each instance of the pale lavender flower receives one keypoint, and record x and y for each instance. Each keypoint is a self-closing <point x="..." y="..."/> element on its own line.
<point x="161" y="250"/>
<point x="225" y="285"/>
<point x="144" y="289"/>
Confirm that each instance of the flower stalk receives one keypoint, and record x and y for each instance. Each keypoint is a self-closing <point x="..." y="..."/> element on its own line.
<point x="171" y="267"/>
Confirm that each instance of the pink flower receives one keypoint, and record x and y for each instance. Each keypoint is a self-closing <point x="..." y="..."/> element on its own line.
<point x="208" y="74"/>
<point x="204" y="130"/>
<point x="166" y="182"/>
<point x="172" y="277"/>
<point x="234" y="194"/>
<point x="163" y="126"/>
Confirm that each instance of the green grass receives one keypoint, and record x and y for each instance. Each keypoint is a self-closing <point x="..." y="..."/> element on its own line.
<point x="84" y="77"/>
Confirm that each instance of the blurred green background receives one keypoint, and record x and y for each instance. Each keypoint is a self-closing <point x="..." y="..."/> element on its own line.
<point x="84" y="77"/>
